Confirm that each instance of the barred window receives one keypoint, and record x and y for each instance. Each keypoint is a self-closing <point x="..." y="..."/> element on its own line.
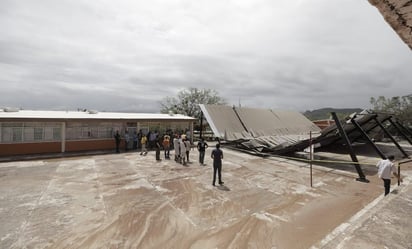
<point x="80" y="131"/>
<point x="57" y="133"/>
<point x="17" y="134"/>
<point x="29" y="132"/>
<point x="38" y="133"/>
<point x="6" y="134"/>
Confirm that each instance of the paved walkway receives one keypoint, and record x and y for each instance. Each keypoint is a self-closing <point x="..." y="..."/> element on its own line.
<point x="384" y="223"/>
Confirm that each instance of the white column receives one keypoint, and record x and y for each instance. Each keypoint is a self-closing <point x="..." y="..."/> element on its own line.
<point x="191" y="132"/>
<point x="63" y="137"/>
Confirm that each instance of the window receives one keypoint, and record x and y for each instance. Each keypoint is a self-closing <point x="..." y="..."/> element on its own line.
<point x="57" y="132"/>
<point x="17" y="134"/>
<point x="29" y="132"/>
<point x="80" y="131"/>
<point x="38" y="133"/>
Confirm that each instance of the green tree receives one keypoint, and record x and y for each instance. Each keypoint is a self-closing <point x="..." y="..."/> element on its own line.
<point x="400" y="107"/>
<point x="187" y="102"/>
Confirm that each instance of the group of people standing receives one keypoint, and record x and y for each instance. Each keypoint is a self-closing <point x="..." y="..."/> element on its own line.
<point x="137" y="140"/>
<point x="181" y="144"/>
<point x="182" y="147"/>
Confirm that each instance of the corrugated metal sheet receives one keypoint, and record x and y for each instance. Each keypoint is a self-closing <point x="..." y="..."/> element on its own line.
<point x="258" y="129"/>
<point x="268" y="132"/>
<point x="233" y="123"/>
<point x="224" y="122"/>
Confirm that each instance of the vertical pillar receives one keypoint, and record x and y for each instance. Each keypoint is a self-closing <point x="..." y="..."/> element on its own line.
<point x="191" y="132"/>
<point x="63" y="137"/>
<point x="351" y="151"/>
<point x="310" y="157"/>
<point x="201" y="125"/>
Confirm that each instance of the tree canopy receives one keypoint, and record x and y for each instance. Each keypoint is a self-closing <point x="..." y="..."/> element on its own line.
<point x="400" y="107"/>
<point x="187" y="102"/>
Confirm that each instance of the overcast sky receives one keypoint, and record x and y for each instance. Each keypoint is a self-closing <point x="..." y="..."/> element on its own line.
<point x="127" y="55"/>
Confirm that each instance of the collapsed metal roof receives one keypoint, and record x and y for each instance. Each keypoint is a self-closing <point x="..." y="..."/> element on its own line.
<point x="260" y="130"/>
<point x="266" y="132"/>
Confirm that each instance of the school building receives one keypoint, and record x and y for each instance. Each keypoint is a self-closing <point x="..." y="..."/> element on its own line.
<point x="25" y="132"/>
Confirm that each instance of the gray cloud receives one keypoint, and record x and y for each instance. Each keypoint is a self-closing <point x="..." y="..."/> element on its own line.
<point x="128" y="55"/>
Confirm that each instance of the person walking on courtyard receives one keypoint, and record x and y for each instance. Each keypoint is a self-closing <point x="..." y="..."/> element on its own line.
<point x="143" y="142"/>
<point x="217" y="156"/>
<point x="201" y="147"/>
<point x="385" y="168"/>
<point x="117" y="140"/>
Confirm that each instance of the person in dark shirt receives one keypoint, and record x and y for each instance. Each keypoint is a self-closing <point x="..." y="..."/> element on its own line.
<point x="217" y="155"/>
<point x="158" y="147"/>
<point x="117" y="140"/>
<point x="201" y="147"/>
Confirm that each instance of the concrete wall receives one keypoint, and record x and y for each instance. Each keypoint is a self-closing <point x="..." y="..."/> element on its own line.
<point x="56" y="147"/>
<point x="29" y="148"/>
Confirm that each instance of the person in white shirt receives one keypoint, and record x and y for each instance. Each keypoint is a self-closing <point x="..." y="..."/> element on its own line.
<point x="176" y="147"/>
<point x="183" y="152"/>
<point x="385" y="168"/>
<point x="188" y="147"/>
<point x="126" y="140"/>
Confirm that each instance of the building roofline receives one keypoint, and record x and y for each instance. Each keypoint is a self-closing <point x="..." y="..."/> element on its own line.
<point x="87" y="115"/>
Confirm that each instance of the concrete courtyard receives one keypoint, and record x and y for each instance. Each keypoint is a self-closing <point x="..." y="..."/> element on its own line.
<point x="131" y="201"/>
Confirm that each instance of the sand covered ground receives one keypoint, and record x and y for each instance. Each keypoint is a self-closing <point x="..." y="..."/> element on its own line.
<point x="131" y="201"/>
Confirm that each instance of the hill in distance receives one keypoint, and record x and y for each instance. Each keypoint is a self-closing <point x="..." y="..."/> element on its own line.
<point x="324" y="113"/>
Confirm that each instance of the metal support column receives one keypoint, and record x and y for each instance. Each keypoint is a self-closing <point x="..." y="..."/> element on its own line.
<point x="400" y="131"/>
<point x="383" y="156"/>
<point x="201" y="125"/>
<point x="351" y="151"/>
<point x="391" y="138"/>
<point x="240" y="120"/>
